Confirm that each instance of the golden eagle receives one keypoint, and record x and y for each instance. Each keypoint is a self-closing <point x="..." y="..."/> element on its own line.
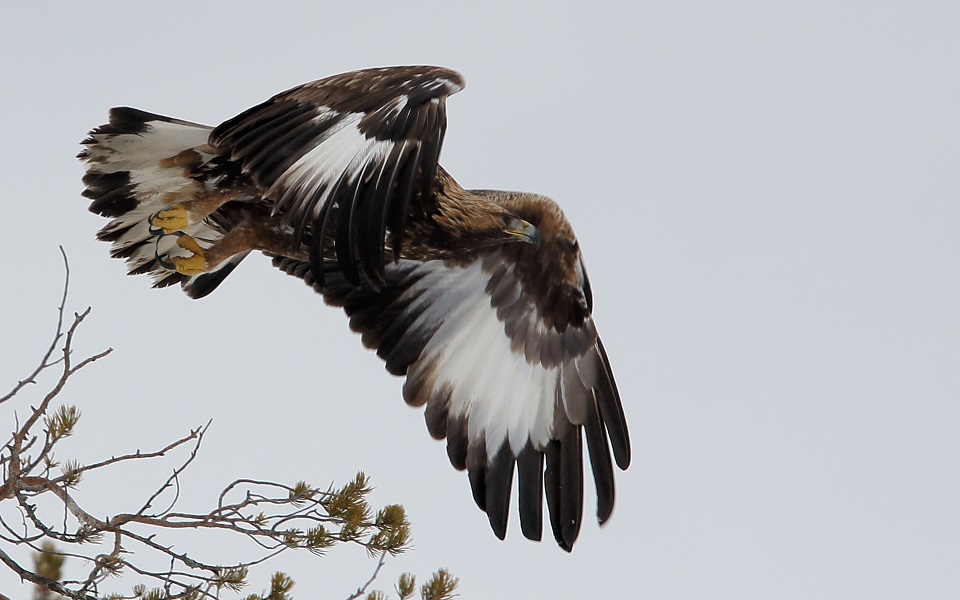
<point x="479" y="298"/>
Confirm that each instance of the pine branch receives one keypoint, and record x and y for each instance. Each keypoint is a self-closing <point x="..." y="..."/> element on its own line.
<point x="270" y="518"/>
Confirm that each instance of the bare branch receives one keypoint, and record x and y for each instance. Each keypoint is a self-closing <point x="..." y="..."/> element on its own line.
<point x="196" y="434"/>
<point x="362" y="590"/>
<point x="54" y="586"/>
<point x="45" y="361"/>
<point x="264" y="518"/>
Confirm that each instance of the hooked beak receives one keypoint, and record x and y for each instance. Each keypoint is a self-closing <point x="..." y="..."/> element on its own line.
<point x="523" y="231"/>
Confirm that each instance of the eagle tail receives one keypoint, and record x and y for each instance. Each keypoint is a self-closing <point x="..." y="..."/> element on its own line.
<point x="152" y="176"/>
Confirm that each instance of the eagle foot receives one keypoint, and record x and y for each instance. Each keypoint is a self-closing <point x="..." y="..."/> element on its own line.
<point x="194" y="264"/>
<point x="169" y="220"/>
<point x="189" y="265"/>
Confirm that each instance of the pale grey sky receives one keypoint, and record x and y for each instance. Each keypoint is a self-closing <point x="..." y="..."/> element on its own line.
<point x="767" y="199"/>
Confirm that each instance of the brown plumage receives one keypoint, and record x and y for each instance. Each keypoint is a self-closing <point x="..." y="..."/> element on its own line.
<point x="479" y="298"/>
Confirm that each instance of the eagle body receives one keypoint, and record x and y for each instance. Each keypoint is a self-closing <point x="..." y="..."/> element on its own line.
<point x="479" y="298"/>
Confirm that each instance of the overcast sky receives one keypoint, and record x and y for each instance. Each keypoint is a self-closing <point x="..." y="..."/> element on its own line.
<point x="768" y="199"/>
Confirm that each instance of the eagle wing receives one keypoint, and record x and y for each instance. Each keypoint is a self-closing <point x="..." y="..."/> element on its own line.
<point x="508" y="387"/>
<point x="347" y="158"/>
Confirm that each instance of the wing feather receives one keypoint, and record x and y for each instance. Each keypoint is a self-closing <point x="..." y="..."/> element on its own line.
<point x="570" y="474"/>
<point x="499" y="483"/>
<point x="611" y="409"/>
<point x="359" y="148"/>
<point x="530" y="491"/>
<point x="600" y="462"/>
<point x="510" y="393"/>
<point x="457" y="441"/>
<point x="477" y="461"/>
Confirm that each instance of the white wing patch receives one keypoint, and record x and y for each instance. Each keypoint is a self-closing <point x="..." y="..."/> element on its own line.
<point x="502" y="395"/>
<point x="344" y="150"/>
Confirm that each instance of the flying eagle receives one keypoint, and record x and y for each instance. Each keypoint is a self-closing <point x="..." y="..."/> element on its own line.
<point x="479" y="298"/>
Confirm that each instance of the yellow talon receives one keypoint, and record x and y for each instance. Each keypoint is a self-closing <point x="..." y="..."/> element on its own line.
<point x="189" y="265"/>
<point x="170" y="220"/>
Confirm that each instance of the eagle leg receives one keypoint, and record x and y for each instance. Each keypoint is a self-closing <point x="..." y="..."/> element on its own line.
<point x="180" y="215"/>
<point x="250" y="234"/>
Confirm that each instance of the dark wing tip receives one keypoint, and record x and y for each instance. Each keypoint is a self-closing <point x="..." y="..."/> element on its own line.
<point x="563" y="481"/>
<point x="611" y="411"/>
<point x="601" y="464"/>
<point x="530" y="492"/>
<point x="476" y="463"/>
<point x="499" y="482"/>
<point x="457" y="442"/>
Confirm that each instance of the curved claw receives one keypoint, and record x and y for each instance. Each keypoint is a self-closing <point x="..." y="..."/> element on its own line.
<point x="194" y="264"/>
<point x="169" y="220"/>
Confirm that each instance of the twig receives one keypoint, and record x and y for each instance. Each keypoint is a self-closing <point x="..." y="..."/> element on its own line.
<point x="195" y="434"/>
<point x="54" y="586"/>
<point x="376" y="572"/>
<point x="137" y="455"/>
<point x="44" y="362"/>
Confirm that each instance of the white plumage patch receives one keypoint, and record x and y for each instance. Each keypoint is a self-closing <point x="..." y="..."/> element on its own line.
<point x="138" y="152"/>
<point x="343" y="151"/>
<point x="138" y="165"/>
<point x="503" y="396"/>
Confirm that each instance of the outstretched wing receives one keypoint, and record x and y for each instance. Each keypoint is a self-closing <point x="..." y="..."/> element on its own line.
<point x="347" y="158"/>
<point x="508" y="386"/>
